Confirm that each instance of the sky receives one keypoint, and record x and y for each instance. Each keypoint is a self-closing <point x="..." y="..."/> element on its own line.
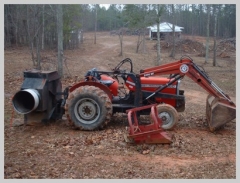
<point x="105" y="5"/>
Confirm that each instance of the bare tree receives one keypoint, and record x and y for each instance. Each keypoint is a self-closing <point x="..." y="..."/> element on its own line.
<point x="139" y="42"/>
<point x="144" y="45"/>
<point x="43" y="19"/>
<point x="159" y="14"/>
<point x="215" y="34"/>
<point x="120" y="35"/>
<point x="173" y="29"/>
<point x="60" y="39"/>
<point x="38" y="51"/>
<point x="207" y="38"/>
<point x="30" y="39"/>
<point x="12" y="21"/>
<point x="32" y="26"/>
<point x="95" y="34"/>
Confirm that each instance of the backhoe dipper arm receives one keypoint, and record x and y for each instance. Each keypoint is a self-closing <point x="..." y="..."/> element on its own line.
<point x="187" y="67"/>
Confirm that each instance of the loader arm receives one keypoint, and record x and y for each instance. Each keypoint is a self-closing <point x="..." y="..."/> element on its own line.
<point x="219" y="107"/>
<point x="187" y="67"/>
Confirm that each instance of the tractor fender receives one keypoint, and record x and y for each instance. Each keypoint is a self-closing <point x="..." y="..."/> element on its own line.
<point x="92" y="83"/>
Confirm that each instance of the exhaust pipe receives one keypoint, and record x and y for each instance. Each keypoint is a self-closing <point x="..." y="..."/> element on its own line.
<point x="26" y="101"/>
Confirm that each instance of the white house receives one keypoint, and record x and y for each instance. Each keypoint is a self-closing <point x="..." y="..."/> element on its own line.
<point x="165" y="28"/>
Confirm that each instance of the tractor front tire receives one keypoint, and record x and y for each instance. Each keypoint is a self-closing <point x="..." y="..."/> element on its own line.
<point x="88" y="108"/>
<point x="168" y="115"/>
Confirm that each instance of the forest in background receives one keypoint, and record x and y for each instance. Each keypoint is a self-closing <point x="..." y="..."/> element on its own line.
<point x="34" y="24"/>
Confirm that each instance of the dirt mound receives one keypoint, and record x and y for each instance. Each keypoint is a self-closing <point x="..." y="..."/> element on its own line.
<point x="227" y="44"/>
<point x="183" y="45"/>
<point x="190" y="46"/>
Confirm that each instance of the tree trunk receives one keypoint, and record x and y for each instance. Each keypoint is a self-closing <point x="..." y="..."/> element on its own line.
<point x="32" y="53"/>
<point x="16" y="26"/>
<point x="144" y="48"/>
<point x="159" y="14"/>
<point x="207" y="38"/>
<point x="173" y="29"/>
<point x="215" y="35"/>
<point x="158" y="44"/>
<point x="60" y="39"/>
<point x="81" y="36"/>
<point x="120" y="34"/>
<point x="95" y="36"/>
<point x="38" y="52"/>
<point x="138" y="42"/>
<point x="43" y="28"/>
<point x="6" y="30"/>
<point x="30" y="39"/>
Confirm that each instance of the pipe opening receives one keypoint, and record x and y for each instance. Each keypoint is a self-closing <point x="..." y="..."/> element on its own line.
<point x="25" y="101"/>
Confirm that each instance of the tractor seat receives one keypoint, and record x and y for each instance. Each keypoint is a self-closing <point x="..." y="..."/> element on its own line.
<point x="107" y="82"/>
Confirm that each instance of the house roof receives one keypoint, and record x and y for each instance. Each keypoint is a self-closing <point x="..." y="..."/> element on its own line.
<point x="166" y="27"/>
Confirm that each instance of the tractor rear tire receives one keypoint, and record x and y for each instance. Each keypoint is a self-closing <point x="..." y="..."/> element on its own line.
<point x="88" y="108"/>
<point x="168" y="115"/>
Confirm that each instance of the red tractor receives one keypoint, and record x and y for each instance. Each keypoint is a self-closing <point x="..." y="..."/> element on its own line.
<point x="91" y="103"/>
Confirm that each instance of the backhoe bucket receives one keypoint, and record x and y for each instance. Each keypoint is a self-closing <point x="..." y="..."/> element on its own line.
<point x="218" y="113"/>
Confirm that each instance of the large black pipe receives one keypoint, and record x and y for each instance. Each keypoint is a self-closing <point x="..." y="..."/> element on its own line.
<point x="26" y="101"/>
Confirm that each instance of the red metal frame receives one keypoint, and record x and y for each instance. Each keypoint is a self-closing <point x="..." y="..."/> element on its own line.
<point x="151" y="133"/>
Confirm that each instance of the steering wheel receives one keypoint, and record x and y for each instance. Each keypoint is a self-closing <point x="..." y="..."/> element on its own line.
<point x="117" y="68"/>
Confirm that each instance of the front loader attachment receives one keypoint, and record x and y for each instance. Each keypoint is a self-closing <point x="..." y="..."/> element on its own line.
<point x="218" y="113"/>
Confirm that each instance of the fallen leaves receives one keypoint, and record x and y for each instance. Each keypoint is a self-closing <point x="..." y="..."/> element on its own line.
<point x="146" y="152"/>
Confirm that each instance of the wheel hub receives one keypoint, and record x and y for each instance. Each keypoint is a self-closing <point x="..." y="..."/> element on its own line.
<point x="165" y="117"/>
<point x="87" y="110"/>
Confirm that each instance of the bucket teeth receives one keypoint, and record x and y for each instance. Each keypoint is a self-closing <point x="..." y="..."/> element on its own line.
<point x="218" y="113"/>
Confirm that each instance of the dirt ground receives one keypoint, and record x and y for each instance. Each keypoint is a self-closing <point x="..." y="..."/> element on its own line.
<point x="56" y="150"/>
